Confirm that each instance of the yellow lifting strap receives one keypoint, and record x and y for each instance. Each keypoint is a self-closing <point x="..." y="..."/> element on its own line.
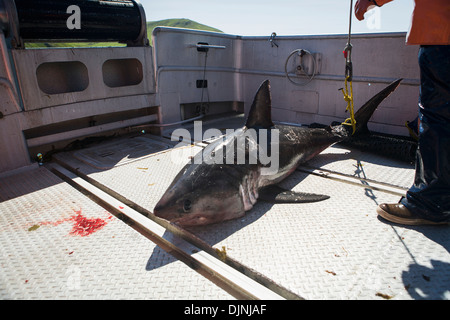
<point x="348" y="94"/>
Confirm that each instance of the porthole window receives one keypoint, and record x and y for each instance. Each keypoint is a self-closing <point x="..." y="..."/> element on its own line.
<point x="122" y="72"/>
<point x="62" y="77"/>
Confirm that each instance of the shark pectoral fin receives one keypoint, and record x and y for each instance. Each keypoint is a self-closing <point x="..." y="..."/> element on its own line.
<point x="276" y="194"/>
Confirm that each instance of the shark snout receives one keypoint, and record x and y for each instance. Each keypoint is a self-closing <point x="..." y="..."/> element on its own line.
<point x="164" y="210"/>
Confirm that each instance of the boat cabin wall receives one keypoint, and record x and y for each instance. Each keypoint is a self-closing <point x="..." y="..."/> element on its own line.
<point x="236" y="66"/>
<point x="49" y="97"/>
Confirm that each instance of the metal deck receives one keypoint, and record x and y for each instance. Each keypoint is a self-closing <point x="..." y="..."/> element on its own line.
<point x="335" y="249"/>
<point x="59" y="244"/>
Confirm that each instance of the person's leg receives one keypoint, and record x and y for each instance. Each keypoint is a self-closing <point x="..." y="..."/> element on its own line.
<point x="429" y="197"/>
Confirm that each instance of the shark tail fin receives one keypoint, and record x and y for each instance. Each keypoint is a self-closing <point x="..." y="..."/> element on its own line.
<point x="363" y="115"/>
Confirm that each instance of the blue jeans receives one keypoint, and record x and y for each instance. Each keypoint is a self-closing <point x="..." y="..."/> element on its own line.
<point x="429" y="197"/>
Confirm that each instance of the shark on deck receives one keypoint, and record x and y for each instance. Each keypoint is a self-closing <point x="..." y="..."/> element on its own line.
<point x="206" y="192"/>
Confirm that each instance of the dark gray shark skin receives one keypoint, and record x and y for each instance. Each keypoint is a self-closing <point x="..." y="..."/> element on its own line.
<point x="205" y="193"/>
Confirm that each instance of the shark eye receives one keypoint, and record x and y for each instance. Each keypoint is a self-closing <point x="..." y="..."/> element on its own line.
<point x="187" y="206"/>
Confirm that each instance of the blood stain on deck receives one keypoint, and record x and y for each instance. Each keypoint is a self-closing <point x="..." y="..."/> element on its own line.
<point x="82" y="226"/>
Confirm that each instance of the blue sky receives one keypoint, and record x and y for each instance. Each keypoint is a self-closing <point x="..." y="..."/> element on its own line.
<point x="285" y="17"/>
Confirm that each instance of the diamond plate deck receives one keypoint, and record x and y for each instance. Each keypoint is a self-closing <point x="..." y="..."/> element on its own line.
<point x="59" y="244"/>
<point x="365" y="166"/>
<point x="122" y="151"/>
<point x="335" y="249"/>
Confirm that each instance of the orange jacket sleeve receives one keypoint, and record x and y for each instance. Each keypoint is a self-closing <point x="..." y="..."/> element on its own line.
<point x="430" y="23"/>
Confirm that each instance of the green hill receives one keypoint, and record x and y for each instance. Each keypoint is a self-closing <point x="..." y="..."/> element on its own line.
<point x="177" y="23"/>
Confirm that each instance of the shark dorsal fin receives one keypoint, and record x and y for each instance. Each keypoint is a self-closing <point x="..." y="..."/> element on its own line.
<point x="260" y="112"/>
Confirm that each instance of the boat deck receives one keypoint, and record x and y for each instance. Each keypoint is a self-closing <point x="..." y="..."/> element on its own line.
<point x="81" y="227"/>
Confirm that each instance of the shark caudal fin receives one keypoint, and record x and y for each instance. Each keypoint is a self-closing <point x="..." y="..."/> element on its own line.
<point x="260" y="112"/>
<point x="363" y="115"/>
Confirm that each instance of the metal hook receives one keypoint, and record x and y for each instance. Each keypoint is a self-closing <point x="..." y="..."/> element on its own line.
<point x="272" y="39"/>
<point x="348" y="62"/>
